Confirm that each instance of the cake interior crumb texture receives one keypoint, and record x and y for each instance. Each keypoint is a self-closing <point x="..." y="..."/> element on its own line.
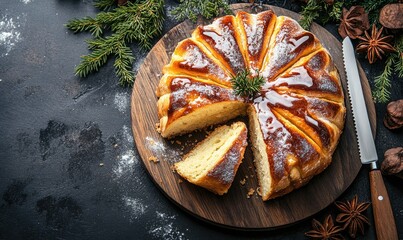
<point x="213" y="163"/>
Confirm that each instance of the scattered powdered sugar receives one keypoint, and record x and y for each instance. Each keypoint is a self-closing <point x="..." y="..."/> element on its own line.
<point x="141" y="55"/>
<point x="325" y="83"/>
<point x="9" y="34"/>
<point x="127" y="160"/>
<point x="135" y="207"/>
<point x="197" y="60"/>
<point x="164" y="228"/>
<point x="161" y="151"/>
<point x="127" y="135"/>
<point x="121" y="101"/>
<point x="125" y="164"/>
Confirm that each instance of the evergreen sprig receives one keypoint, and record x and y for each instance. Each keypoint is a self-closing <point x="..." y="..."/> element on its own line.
<point x="138" y="21"/>
<point x="321" y="11"/>
<point x="382" y="82"/>
<point x="399" y="56"/>
<point x="207" y="8"/>
<point x="394" y="63"/>
<point x="104" y="5"/>
<point x="245" y="85"/>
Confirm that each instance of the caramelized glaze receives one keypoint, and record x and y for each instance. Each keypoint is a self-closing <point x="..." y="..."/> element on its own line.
<point x="288" y="44"/>
<point x="300" y="107"/>
<point x="194" y="61"/>
<point x="189" y="94"/>
<point x="220" y="38"/>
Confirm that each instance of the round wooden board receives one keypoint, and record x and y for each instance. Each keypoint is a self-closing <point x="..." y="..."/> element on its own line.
<point x="235" y="210"/>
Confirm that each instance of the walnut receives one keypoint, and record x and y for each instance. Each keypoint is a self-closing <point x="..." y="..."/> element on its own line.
<point x="393" y="162"/>
<point x="391" y="16"/>
<point x="394" y="115"/>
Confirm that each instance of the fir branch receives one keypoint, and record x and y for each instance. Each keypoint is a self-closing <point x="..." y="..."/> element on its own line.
<point x="245" y="85"/>
<point x="309" y="13"/>
<point x="139" y="21"/>
<point x="382" y="82"/>
<point x="104" y="5"/>
<point x="399" y="56"/>
<point x="86" y="24"/>
<point x="123" y="62"/>
<point x="102" y="48"/>
<point x="336" y="11"/>
<point x="190" y="9"/>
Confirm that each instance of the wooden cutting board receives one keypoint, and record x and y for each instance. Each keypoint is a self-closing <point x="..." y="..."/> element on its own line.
<point x="235" y="209"/>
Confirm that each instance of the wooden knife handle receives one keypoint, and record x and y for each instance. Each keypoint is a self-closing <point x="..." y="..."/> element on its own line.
<point x="385" y="225"/>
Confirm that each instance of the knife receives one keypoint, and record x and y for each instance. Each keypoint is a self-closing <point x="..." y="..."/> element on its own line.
<point x="383" y="216"/>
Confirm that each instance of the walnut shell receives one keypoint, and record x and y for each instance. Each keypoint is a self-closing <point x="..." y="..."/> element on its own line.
<point x="391" y="16"/>
<point x="394" y="115"/>
<point x="393" y="162"/>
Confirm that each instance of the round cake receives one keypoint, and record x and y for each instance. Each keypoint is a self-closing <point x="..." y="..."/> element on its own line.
<point x="296" y="118"/>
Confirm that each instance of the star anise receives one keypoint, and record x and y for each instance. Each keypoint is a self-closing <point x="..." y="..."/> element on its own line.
<point x="353" y="22"/>
<point x="327" y="230"/>
<point x="351" y="215"/>
<point x="374" y="44"/>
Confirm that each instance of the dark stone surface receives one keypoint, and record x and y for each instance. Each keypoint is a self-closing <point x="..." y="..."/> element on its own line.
<point x="68" y="168"/>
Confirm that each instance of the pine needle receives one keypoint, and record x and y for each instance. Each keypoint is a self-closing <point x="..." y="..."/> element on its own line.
<point x="382" y="82"/>
<point x="190" y="9"/>
<point x="309" y="13"/>
<point x="399" y="57"/>
<point x="139" y="21"/>
<point x="104" y="5"/>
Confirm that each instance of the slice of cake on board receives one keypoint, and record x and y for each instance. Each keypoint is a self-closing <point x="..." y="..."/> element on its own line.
<point x="213" y="163"/>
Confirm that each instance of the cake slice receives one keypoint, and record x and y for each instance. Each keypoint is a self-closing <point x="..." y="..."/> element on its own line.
<point x="213" y="163"/>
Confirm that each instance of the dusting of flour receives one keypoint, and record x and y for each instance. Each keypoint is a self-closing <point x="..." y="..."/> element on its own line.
<point x="121" y="102"/>
<point x="127" y="160"/>
<point x="10" y="34"/>
<point x="135" y="207"/>
<point x="164" y="228"/>
<point x="161" y="151"/>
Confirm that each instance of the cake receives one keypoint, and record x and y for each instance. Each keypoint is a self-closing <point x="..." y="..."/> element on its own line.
<point x="296" y="118"/>
<point x="213" y="163"/>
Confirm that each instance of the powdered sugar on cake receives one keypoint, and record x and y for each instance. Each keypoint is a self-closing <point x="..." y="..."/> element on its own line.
<point x="254" y="35"/>
<point x="195" y="58"/>
<point x="225" y="43"/>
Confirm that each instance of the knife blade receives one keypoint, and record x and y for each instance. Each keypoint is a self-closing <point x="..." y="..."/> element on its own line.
<point x="383" y="215"/>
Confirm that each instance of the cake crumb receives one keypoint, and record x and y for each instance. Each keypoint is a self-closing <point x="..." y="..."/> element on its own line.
<point x="180" y="180"/>
<point x="154" y="159"/>
<point x="158" y="127"/>
<point x="190" y="135"/>
<point x="250" y="192"/>
<point x="178" y="142"/>
<point x="243" y="181"/>
<point x="101" y="164"/>
<point x="172" y="141"/>
<point x="258" y="191"/>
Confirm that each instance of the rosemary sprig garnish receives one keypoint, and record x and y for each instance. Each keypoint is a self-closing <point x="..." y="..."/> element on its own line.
<point x="245" y="85"/>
